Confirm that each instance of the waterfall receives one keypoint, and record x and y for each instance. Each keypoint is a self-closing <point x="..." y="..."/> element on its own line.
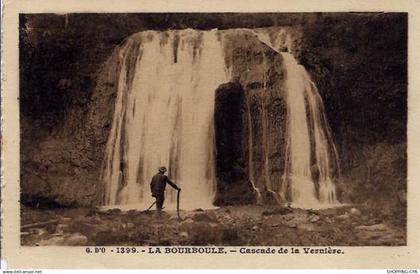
<point x="311" y="155"/>
<point x="305" y="121"/>
<point x="164" y="117"/>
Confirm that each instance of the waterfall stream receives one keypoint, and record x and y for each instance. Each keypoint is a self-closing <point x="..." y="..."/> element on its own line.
<point x="165" y="118"/>
<point x="308" y="132"/>
<point x="164" y="112"/>
<point x="306" y="121"/>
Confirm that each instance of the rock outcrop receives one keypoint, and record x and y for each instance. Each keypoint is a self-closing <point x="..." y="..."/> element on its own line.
<point x="250" y="117"/>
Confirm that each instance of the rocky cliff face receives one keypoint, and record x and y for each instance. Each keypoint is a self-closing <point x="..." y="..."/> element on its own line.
<point x="257" y="80"/>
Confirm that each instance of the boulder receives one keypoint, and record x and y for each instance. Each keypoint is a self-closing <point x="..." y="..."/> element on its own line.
<point x="306" y="227"/>
<point x="355" y="211"/>
<point x="186" y="224"/>
<point x="113" y="211"/>
<point x="184" y="235"/>
<point x="344" y="216"/>
<point x="202" y="233"/>
<point x="56" y="240"/>
<point x="75" y="239"/>
<point x="314" y="218"/>
<point x="375" y="227"/>
<point x="88" y="227"/>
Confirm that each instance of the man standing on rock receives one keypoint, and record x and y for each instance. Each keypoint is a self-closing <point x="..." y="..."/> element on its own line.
<point x="157" y="186"/>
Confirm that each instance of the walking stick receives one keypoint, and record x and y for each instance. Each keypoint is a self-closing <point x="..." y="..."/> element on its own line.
<point x="151" y="206"/>
<point x="177" y="204"/>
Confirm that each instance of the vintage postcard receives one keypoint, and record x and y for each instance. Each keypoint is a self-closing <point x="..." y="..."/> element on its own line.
<point x="210" y="136"/>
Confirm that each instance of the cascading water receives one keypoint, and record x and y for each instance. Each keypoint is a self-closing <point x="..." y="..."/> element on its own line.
<point x="301" y="91"/>
<point x="164" y="116"/>
<point x="308" y="133"/>
<point x="164" y="113"/>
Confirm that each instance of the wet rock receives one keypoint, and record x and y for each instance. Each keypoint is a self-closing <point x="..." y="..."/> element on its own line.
<point x="355" y="211"/>
<point x="230" y="134"/>
<point x="314" y="218"/>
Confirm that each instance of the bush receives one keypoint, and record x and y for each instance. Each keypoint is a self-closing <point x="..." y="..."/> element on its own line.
<point x="377" y="177"/>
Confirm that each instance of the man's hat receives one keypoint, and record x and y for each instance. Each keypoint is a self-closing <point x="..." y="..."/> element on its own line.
<point x="162" y="169"/>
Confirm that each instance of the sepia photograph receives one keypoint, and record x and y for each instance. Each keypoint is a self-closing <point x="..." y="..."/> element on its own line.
<point x="213" y="129"/>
